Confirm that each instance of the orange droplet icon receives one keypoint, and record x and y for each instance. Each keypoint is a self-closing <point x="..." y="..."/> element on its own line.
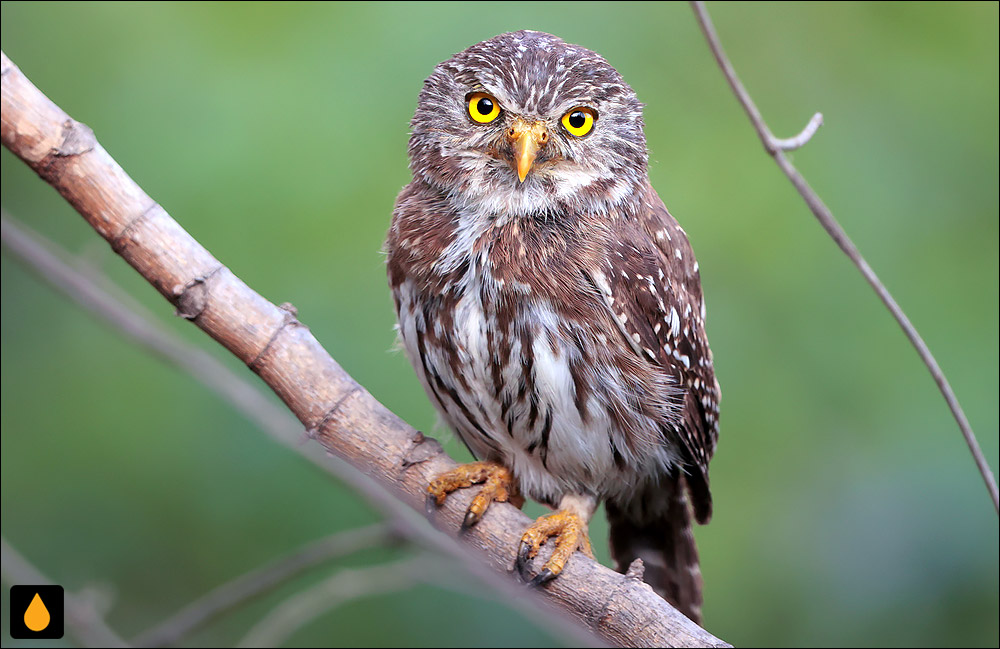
<point x="37" y="616"/>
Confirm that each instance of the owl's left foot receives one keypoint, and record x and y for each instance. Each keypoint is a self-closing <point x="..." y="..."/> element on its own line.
<point x="569" y="528"/>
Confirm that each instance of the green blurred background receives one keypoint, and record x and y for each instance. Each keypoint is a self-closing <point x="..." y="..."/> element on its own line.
<point x="848" y="511"/>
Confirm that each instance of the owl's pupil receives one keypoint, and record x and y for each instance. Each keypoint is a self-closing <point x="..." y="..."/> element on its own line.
<point x="577" y="119"/>
<point x="484" y="106"/>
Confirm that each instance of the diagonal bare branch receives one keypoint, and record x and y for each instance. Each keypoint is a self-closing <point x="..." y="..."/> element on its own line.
<point x="336" y="411"/>
<point x="776" y="147"/>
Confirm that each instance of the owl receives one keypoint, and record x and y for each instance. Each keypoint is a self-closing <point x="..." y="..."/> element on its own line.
<point x="552" y="308"/>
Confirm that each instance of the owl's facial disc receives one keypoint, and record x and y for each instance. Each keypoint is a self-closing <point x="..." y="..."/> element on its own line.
<point x="525" y="123"/>
<point x="526" y="139"/>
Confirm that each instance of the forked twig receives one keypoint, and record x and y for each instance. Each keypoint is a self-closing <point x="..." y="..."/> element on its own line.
<point x="776" y="148"/>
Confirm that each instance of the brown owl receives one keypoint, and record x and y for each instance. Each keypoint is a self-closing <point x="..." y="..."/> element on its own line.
<point x="552" y="307"/>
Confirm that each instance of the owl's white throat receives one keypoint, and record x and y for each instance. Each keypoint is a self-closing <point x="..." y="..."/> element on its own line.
<point x="496" y="190"/>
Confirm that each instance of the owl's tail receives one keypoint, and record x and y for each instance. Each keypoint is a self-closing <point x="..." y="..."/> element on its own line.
<point x="655" y="526"/>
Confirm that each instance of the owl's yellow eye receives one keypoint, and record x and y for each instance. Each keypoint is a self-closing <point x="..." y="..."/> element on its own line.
<point x="483" y="108"/>
<point x="579" y="121"/>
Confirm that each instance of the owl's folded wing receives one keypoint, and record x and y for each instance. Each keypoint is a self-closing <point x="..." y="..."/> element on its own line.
<point x="651" y="285"/>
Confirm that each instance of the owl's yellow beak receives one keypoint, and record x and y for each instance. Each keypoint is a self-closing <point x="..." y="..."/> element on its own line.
<point x="527" y="140"/>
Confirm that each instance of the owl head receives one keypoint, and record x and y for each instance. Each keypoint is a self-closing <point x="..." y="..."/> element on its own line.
<point x="525" y="123"/>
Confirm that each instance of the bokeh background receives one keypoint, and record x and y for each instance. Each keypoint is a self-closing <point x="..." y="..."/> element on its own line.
<point x="848" y="511"/>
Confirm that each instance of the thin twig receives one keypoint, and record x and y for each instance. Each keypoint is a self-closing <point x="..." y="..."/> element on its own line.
<point x="775" y="147"/>
<point x="347" y="585"/>
<point x="84" y="287"/>
<point x="81" y="617"/>
<point x="252" y="584"/>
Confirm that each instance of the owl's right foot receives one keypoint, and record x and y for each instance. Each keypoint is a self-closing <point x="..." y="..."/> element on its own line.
<point x="498" y="485"/>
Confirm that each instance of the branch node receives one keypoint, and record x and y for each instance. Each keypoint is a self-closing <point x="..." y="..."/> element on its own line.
<point x="288" y="319"/>
<point x="636" y="569"/>
<point x="118" y="245"/>
<point x="289" y="308"/>
<point x="192" y="298"/>
<point x="78" y="138"/>
<point x="316" y="430"/>
<point x="424" y="448"/>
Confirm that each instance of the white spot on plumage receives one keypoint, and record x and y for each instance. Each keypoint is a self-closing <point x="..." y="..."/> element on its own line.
<point x="602" y="283"/>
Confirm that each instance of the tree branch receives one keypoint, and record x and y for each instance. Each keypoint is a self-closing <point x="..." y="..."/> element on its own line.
<point x="776" y="147"/>
<point x="335" y="409"/>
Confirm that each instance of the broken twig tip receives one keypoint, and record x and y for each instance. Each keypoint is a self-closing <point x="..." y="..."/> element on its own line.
<point x="636" y="569"/>
<point x="792" y="143"/>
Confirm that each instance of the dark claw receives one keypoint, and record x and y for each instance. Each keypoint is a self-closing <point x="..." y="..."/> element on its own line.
<point x="543" y="577"/>
<point x="431" y="503"/>
<point x="471" y="518"/>
<point x="523" y="562"/>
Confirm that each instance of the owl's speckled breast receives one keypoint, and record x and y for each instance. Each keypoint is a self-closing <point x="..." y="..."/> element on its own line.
<point x="518" y="385"/>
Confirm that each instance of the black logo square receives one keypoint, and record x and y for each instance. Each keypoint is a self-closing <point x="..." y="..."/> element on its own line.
<point x="36" y="612"/>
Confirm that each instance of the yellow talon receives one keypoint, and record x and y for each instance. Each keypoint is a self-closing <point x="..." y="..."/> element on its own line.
<point x="570" y="531"/>
<point x="498" y="486"/>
